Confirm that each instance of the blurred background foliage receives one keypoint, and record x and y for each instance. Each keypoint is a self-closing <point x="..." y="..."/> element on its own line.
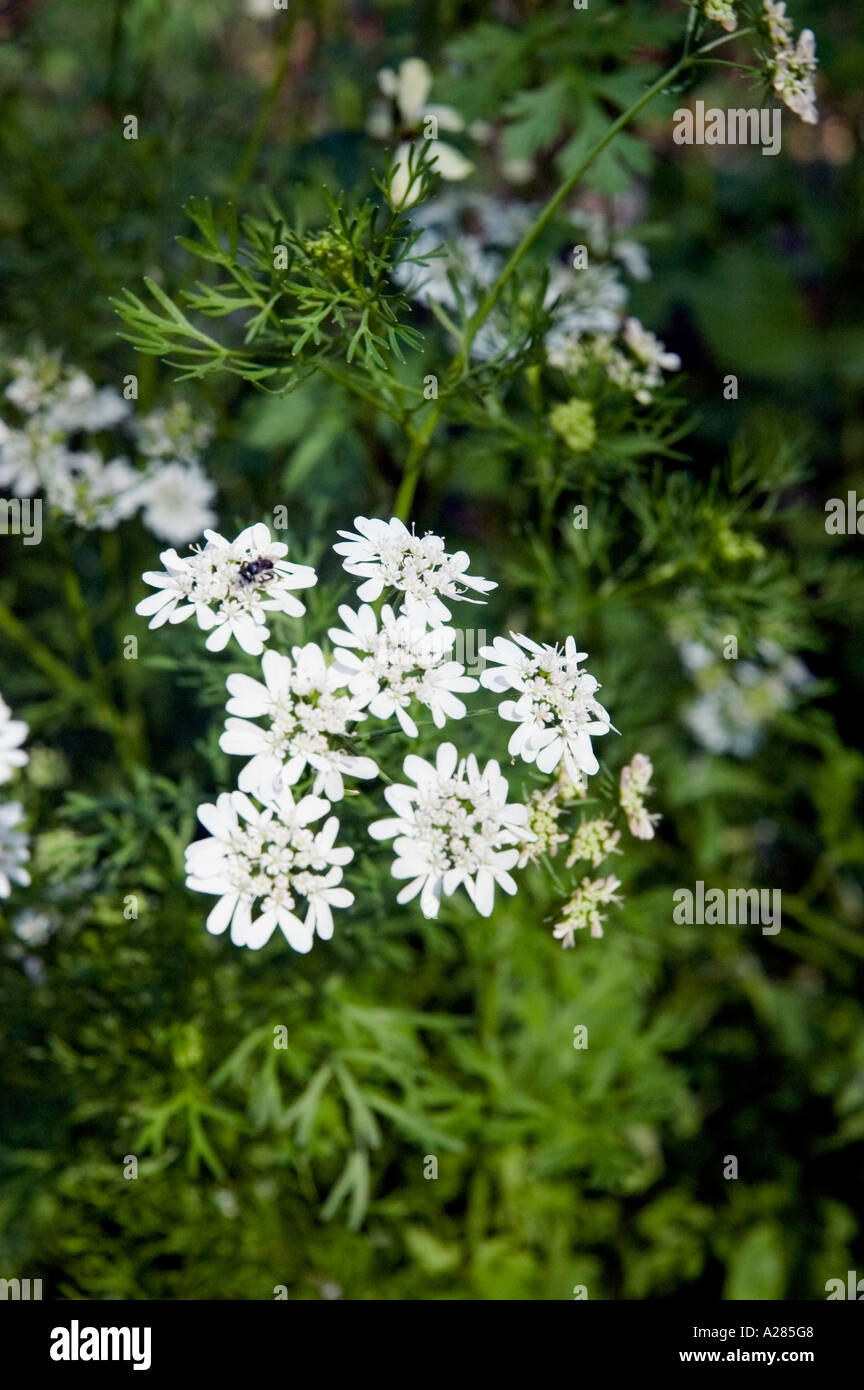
<point x="304" y="1166"/>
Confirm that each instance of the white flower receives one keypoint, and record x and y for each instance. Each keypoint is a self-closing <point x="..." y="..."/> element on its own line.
<point x="34" y="928"/>
<point x="779" y="23"/>
<point x="387" y="669"/>
<point x="583" y="908"/>
<point x="634" y="787"/>
<point x="388" y="555"/>
<point x="470" y="232"/>
<point x="176" y="501"/>
<point x="79" y="404"/>
<point x="12" y="734"/>
<point x="722" y="12"/>
<point x="13" y="848"/>
<point x="649" y="349"/>
<point x="583" y="302"/>
<point x="455" y="826"/>
<point x="30" y="457"/>
<point x="260" y="861"/>
<point x="173" y="433"/>
<point x="543" y="835"/>
<point x="92" y="492"/>
<point x="556" y="711"/>
<point x="34" y="378"/>
<point x="791" y="66"/>
<point x="309" y="722"/>
<point x="792" y="80"/>
<point x="594" y="840"/>
<point x="405" y="183"/>
<point x="638" y="371"/>
<point x="407" y="90"/>
<point x="228" y="586"/>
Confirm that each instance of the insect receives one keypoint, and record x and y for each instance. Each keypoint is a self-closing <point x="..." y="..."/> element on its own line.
<point x="260" y="569"/>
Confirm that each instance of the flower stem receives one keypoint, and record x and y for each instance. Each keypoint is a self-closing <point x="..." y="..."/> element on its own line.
<point x="420" y="444"/>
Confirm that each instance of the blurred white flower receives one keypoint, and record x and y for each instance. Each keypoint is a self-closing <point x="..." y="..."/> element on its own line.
<point x="80" y="405"/>
<point x="308" y="724"/>
<point x="12" y="734"/>
<point x="92" y="492"/>
<point x="173" y="433"/>
<point x="34" y="928"/>
<point x="388" y="669"/>
<point x="737" y="701"/>
<point x="14" y="851"/>
<point x="407" y="114"/>
<point x="176" y="500"/>
<point x="228" y="586"/>
<point x="387" y="555"/>
<point x="722" y="12"/>
<point x="556" y="712"/>
<point x="30" y="457"/>
<point x="454" y="826"/>
<point x="261" y="861"/>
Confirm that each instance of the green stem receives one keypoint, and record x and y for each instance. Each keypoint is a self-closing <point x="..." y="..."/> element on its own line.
<point x="259" y="130"/>
<point x="563" y="192"/>
<point x="414" y="463"/>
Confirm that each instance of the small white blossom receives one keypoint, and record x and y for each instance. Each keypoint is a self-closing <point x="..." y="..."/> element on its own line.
<point x="385" y="554"/>
<point x="593" y="841"/>
<point x="228" y="586"/>
<point x="12" y="734"/>
<point x="176" y="499"/>
<point x="722" y="12"/>
<point x="14" y="851"/>
<point x="34" y="928"/>
<point x="583" y="908"/>
<point x="454" y="826"/>
<point x="791" y="65"/>
<point x="309" y="721"/>
<point x="388" y="669"/>
<point x="637" y="368"/>
<point x="543" y="837"/>
<point x="261" y="861"/>
<point x="635" y="786"/>
<point x="556" y="711"/>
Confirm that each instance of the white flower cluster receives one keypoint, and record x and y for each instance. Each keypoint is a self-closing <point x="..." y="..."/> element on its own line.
<point x="464" y="240"/>
<point x="555" y="711"/>
<point x="228" y="586"/>
<point x="454" y="826"/>
<point x="635" y="785"/>
<point x="297" y="728"/>
<point x="791" y="65"/>
<point x="14" y="851"/>
<point x="722" y="12"/>
<point x="738" y="700"/>
<point x="260" y="860"/>
<point x="635" y="364"/>
<point x="51" y="452"/>
<point x="583" y="908"/>
<point x="386" y="555"/>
